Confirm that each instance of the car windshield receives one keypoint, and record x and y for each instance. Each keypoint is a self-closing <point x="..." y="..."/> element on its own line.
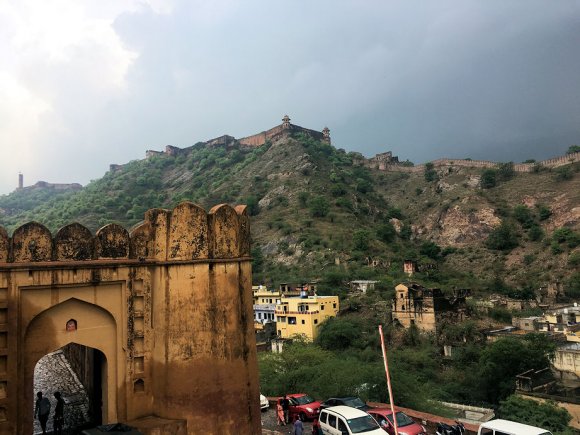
<point x="362" y="424"/>
<point x="402" y="419"/>
<point x="303" y="400"/>
<point x="355" y="402"/>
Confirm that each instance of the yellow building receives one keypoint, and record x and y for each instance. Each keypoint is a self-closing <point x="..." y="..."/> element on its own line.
<point x="303" y="315"/>
<point x="262" y="295"/>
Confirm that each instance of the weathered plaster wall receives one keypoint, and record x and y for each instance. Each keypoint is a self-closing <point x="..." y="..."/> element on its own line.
<point x="169" y="305"/>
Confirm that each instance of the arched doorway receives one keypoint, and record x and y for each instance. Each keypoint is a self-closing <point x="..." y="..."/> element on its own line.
<point x="79" y="374"/>
<point x="91" y="339"/>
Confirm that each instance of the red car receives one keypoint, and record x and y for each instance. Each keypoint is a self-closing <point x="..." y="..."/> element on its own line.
<point x="303" y="406"/>
<point x="405" y="424"/>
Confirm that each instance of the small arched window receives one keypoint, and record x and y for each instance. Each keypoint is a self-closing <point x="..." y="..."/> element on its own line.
<point x="71" y="325"/>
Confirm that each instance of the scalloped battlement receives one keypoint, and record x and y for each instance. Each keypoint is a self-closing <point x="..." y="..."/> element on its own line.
<point x="185" y="233"/>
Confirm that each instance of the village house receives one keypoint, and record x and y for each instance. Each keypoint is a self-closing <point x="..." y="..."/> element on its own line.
<point x="362" y="286"/>
<point x="303" y="315"/>
<point x="424" y="308"/>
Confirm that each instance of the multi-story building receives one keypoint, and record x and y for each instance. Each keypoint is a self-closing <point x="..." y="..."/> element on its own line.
<point x="424" y="308"/>
<point x="303" y="315"/>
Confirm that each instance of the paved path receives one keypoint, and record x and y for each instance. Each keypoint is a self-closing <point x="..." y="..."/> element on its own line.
<point x="53" y="373"/>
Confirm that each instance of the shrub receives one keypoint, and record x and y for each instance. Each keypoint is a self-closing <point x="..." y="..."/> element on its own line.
<point x="536" y="233"/>
<point x="361" y="239"/>
<point x="563" y="173"/>
<point x="502" y="238"/>
<point x="319" y="206"/>
<point x="523" y="215"/>
<point x="430" y="173"/>
<point x="544" y="212"/>
<point x="505" y="171"/>
<point x="488" y="178"/>
<point x="386" y="232"/>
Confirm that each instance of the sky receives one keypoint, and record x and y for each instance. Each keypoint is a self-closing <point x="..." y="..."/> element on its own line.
<point x="84" y="84"/>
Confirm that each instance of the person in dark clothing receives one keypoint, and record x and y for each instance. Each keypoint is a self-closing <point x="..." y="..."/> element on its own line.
<point x="286" y="409"/>
<point x="42" y="410"/>
<point x="58" y="414"/>
<point x="298" y="427"/>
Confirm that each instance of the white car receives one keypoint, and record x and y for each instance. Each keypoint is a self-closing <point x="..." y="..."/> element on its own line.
<point x="264" y="404"/>
<point x="344" y="420"/>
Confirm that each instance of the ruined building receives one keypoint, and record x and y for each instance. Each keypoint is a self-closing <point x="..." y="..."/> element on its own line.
<point x="165" y="309"/>
<point x="425" y="308"/>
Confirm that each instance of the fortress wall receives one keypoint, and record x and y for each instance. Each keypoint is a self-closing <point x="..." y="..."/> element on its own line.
<point x="518" y="167"/>
<point x="178" y="287"/>
<point x="255" y="140"/>
<point x="190" y="237"/>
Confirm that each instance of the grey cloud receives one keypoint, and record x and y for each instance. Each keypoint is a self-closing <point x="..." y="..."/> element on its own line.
<point x="492" y="80"/>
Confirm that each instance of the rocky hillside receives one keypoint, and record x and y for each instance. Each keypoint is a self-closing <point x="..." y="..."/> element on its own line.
<point x="317" y="214"/>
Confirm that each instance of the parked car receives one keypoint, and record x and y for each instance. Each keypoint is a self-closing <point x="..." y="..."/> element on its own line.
<point x="264" y="404"/>
<point x="506" y="427"/>
<point x="303" y="406"/>
<point x="405" y="424"/>
<point x="353" y="402"/>
<point x="346" y="420"/>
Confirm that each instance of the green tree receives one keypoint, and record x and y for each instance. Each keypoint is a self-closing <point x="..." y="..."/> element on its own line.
<point x="386" y="232"/>
<point x="535" y="233"/>
<point x="573" y="287"/>
<point x="338" y="334"/>
<point x="573" y="149"/>
<point x="406" y="232"/>
<point x="544" y="212"/>
<point x="361" y="239"/>
<point x="523" y="215"/>
<point x="430" y="249"/>
<point x="430" y="173"/>
<point x="502" y="238"/>
<point x="545" y="415"/>
<point x="488" y="178"/>
<point x="319" y="206"/>
<point x="502" y="360"/>
<point x="505" y="171"/>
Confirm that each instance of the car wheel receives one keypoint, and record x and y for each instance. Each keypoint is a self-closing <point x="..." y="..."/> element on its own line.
<point x="302" y="416"/>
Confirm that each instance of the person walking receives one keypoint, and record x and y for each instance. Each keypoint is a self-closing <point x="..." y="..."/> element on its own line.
<point x="298" y="427"/>
<point x="58" y="414"/>
<point x="280" y="414"/>
<point x="42" y="410"/>
<point x="286" y="409"/>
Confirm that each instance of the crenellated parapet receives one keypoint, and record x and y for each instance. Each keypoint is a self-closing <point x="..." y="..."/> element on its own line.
<point x="185" y="233"/>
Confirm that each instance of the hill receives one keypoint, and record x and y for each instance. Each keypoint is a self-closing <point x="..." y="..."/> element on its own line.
<point x="319" y="213"/>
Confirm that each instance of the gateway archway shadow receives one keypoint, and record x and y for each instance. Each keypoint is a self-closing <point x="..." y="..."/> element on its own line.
<point x="79" y="373"/>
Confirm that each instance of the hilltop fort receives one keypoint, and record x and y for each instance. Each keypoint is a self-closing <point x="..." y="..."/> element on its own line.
<point x="385" y="161"/>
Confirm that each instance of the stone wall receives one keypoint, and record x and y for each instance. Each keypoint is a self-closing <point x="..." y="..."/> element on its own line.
<point x="518" y="167"/>
<point x="169" y="304"/>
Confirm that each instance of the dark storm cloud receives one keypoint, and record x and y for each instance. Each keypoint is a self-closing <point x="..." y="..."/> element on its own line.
<point x="491" y="80"/>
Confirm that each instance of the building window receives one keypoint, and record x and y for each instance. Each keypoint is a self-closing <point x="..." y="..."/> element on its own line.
<point x="401" y="295"/>
<point x="281" y="319"/>
<point x="315" y="321"/>
<point x="321" y="307"/>
<point x="303" y="322"/>
<point x="333" y="305"/>
<point x="292" y="320"/>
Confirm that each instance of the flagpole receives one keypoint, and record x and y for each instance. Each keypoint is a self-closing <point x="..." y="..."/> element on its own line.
<point x="388" y="379"/>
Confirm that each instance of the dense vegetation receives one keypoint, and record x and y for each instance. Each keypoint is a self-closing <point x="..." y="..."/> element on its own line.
<point x="346" y="360"/>
<point x="316" y="215"/>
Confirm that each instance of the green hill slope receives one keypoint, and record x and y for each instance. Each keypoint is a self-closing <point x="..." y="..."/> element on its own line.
<point x="317" y="215"/>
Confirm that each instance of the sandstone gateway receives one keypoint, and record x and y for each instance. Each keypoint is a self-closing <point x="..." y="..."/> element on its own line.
<point x="147" y="303"/>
